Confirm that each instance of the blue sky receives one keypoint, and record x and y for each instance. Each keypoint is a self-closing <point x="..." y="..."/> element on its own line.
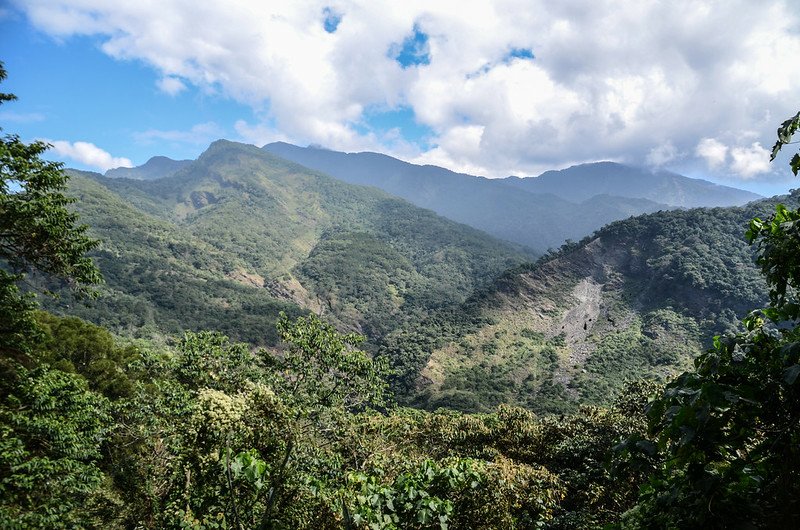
<point x="70" y="90"/>
<point x="488" y="88"/>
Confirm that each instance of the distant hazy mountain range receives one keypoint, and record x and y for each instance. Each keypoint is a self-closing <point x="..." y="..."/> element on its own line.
<point x="580" y="183"/>
<point x="540" y="212"/>
<point x="155" y="168"/>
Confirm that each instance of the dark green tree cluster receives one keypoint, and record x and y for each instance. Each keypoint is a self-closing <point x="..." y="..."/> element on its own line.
<point x="211" y="434"/>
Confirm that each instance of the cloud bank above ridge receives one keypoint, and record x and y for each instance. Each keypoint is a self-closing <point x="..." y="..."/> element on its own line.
<point x="508" y="87"/>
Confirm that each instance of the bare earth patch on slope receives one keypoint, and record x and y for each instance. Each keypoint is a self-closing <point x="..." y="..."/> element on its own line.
<point x="576" y="326"/>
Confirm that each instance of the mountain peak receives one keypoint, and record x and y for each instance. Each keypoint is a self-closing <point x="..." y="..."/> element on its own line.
<point x="279" y="144"/>
<point x="156" y="168"/>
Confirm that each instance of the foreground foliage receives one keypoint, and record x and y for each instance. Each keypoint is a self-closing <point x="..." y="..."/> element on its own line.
<point x="209" y="434"/>
<point x="724" y="446"/>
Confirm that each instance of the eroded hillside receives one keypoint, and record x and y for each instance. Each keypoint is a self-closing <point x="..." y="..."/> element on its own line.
<point x="640" y="298"/>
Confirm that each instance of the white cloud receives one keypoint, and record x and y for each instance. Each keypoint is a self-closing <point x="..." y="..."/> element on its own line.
<point x="200" y="134"/>
<point x="258" y="134"/>
<point x="599" y="87"/>
<point x="88" y="154"/>
<point x="662" y="154"/>
<point x="712" y="151"/>
<point x="171" y="85"/>
<point x="737" y="160"/>
<point x="750" y="161"/>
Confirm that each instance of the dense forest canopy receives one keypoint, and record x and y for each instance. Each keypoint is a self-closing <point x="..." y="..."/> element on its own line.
<point x="196" y="430"/>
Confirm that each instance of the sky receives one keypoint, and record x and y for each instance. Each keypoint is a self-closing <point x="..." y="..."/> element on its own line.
<point x="512" y="87"/>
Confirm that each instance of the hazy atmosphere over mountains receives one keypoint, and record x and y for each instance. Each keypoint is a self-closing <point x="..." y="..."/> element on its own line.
<point x="492" y="89"/>
<point x="544" y="215"/>
<point x="361" y="265"/>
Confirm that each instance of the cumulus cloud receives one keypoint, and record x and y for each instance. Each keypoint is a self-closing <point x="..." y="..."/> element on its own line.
<point x="739" y="161"/>
<point x="88" y="154"/>
<point x="258" y="134"/>
<point x="750" y="161"/>
<point x="591" y="84"/>
<point x="712" y="151"/>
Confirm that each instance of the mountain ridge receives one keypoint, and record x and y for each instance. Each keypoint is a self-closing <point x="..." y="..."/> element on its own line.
<point x="282" y="235"/>
<point x="540" y="219"/>
<point x="583" y="181"/>
<point x="155" y="168"/>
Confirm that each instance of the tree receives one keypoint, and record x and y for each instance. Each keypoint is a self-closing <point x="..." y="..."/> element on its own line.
<point x="725" y="447"/>
<point x="37" y="233"/>
<point x="785" y="133"/>
<point x="217" y="434"/>
<point x="72" y="345"/>
<point x="51" y="430"/>
<point x="51" y="425"/>
<point x="321" y="378"/>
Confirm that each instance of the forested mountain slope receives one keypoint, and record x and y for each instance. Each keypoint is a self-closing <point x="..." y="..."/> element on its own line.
<point x="239" y="234"/>
<point x="639" y="298"/>
<point x="538" y="220"/>
<point x="537" y="212"/>
<point x="161" y="279"/>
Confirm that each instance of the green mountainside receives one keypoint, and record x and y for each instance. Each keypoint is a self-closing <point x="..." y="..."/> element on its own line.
<point x="240" y="234"/>
<point x="639" y="298"/>
<point x="232" y="239"/>
<point x="160" y="278"/>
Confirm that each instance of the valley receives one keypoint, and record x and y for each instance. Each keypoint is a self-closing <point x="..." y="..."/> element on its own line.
<point x="366" y="265"/>
<point x="490" y="375"/>
<point x="466" y="321"/>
